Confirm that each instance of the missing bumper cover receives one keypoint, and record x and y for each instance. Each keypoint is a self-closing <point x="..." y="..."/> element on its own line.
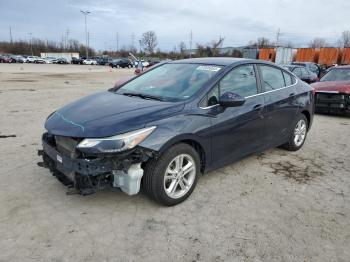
<point x="87" y="174"/>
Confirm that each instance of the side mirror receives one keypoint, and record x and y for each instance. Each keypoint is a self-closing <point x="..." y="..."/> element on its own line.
<point x="137" y="71"/>
<point x="230" y="99"/>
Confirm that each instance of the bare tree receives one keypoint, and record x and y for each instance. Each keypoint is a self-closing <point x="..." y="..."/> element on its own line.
<point x="318" y="43"/>
<point x="345" y="39"/>
<point x="149" y="41"/>
<point x="262" y="42"/>
<point x="182" y="48"/>
<point x="216" y="45"/>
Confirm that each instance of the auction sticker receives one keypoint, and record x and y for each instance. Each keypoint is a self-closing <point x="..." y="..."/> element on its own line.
<point x="208" y="68"/>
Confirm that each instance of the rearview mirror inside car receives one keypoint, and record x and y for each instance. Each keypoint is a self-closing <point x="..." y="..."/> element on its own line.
<point x="230" y="99"/>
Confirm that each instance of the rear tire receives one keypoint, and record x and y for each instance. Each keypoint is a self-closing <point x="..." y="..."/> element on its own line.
<point x="298" y="134"/>
<point x="171" y="178"/>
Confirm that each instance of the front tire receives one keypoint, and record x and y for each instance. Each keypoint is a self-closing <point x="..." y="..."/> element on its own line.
<point x="171" y="178"/>
<point x="298" y="135"/>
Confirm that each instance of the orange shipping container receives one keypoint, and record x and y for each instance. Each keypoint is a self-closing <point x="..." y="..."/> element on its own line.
<point x="267" y="54"/>
<point x="329" y="56"/>
<point x="346" y="56"/>
<point x="307" y="55"/>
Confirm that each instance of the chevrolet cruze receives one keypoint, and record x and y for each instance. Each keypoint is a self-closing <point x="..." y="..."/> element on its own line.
<point x="161" y="130"/>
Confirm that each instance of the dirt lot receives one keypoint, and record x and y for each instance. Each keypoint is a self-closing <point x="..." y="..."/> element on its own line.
<point x="275" y="206"/>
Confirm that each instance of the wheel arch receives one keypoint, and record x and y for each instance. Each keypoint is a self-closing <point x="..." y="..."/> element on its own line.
<point x="192" y="141"/>
<point x="308" y="117"/>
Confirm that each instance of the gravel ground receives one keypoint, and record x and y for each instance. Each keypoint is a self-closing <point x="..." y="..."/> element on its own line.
<point x="273" y="206"/>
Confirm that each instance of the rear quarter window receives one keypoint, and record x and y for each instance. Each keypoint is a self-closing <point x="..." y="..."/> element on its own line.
<point x="272" y="77"/>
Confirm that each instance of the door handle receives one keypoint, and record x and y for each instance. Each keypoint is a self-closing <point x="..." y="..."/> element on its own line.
<point x="257" y="107"/>
<point x="292" y="94"/>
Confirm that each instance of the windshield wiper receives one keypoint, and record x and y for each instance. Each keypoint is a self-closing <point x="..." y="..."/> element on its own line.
<point x="144" y="96"/>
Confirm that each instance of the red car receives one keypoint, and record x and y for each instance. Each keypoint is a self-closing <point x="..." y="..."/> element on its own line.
<point x="5" y="59"/>
<point x="333" y="91"/>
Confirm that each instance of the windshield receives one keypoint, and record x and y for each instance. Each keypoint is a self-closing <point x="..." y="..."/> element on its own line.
<point x="337" y="74"/>
<point x="172" y="82"/>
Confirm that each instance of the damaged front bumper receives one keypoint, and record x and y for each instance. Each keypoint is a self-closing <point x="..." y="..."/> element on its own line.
<point x="85" y="174"/>
<point x="332" y="103"/>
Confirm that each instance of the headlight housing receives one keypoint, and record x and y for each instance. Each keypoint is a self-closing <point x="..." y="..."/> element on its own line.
<point x="116" y="143"/>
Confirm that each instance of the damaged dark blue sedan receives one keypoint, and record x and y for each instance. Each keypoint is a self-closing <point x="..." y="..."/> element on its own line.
<point x="164" y="128"/>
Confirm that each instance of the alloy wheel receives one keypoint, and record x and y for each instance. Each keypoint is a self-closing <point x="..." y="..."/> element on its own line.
<point x="179" y="176"/>
<point x="300" y="132"/>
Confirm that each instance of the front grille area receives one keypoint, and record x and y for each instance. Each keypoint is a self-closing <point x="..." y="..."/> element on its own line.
<point x="66" y="145"/>
<point x="332" y="102"/>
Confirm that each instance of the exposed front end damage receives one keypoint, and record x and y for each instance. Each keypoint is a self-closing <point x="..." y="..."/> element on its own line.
<point x="332" y="102"/>
<point x="87" y="173"/>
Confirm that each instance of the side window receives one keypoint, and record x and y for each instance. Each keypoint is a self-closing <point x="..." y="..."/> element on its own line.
<point x="272" y="77"/>
<point x="297" y="72"/>
<point x="288" y="79"/>
<point x="304" y="72"/>
<point x="240" y="80"/>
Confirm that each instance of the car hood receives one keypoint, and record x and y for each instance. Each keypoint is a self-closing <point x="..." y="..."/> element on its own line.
<point x="334" y="86"/>
<point x="106" y="114"/>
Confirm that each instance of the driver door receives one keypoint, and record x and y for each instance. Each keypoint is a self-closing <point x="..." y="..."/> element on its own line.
<point x="237" y="131"/>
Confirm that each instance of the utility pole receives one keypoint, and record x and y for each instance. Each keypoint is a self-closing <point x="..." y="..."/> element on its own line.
<point x="10" y="34"/>
<point x="67" y="37"/>
<point x="277" y="37"/>
<point x="31" y="44"/>
<point x="191" y="37"/>
<point x="140" y="42"/>
<point x="132" y="41"/>
<point x="117" y="42"/>
<point x="85" y="13"/>
<point x="88" y="42"/>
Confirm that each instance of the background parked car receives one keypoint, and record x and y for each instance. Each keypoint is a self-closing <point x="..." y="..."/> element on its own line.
<point x="75" y="61"/>
<point x="31" y="59"/>
<point x="61" y="61"/>
<point x="39" y="60"/>
<point x="121" y="62"/>
<point x="90" y="62"/>
<point x="50" y="60"/>
<point x="144" y="63"/>
<point x="303" y="73"/>
<point x="17" y="59"/>
<point x="5" y="59"/>
<point x="333" y="91"/>
<point x="104" y="61"/>
<point x="313" y="67"/>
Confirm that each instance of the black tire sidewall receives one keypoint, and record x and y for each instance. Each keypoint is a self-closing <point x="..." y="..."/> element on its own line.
<point x="159" y="172"/>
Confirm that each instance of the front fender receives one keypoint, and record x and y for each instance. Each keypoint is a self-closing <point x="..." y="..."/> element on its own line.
<point x="179" y="128"/>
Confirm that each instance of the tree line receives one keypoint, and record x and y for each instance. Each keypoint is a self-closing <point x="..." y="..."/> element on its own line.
<point x="148" y="47"/>
<point x="37" y="46"/>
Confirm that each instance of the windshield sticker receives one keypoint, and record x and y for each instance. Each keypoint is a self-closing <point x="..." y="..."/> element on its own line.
<point x="208" y="68"/>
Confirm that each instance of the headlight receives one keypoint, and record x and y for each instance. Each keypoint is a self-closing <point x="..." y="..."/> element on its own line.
<point x="116" y="143"/>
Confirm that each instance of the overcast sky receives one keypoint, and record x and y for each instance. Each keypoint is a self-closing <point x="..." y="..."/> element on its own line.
<point x="238" y="21"/>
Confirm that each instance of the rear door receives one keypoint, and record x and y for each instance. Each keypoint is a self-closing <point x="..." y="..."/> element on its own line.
<point x="279" y="94"/>
<point x="237" y="131"/>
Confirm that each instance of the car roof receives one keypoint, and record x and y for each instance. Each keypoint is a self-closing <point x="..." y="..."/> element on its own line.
<point x="223" y="61"/>
<point x="295" y="66"/>
<point x="303" y="63"/>
<point x="341" y="67"/>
